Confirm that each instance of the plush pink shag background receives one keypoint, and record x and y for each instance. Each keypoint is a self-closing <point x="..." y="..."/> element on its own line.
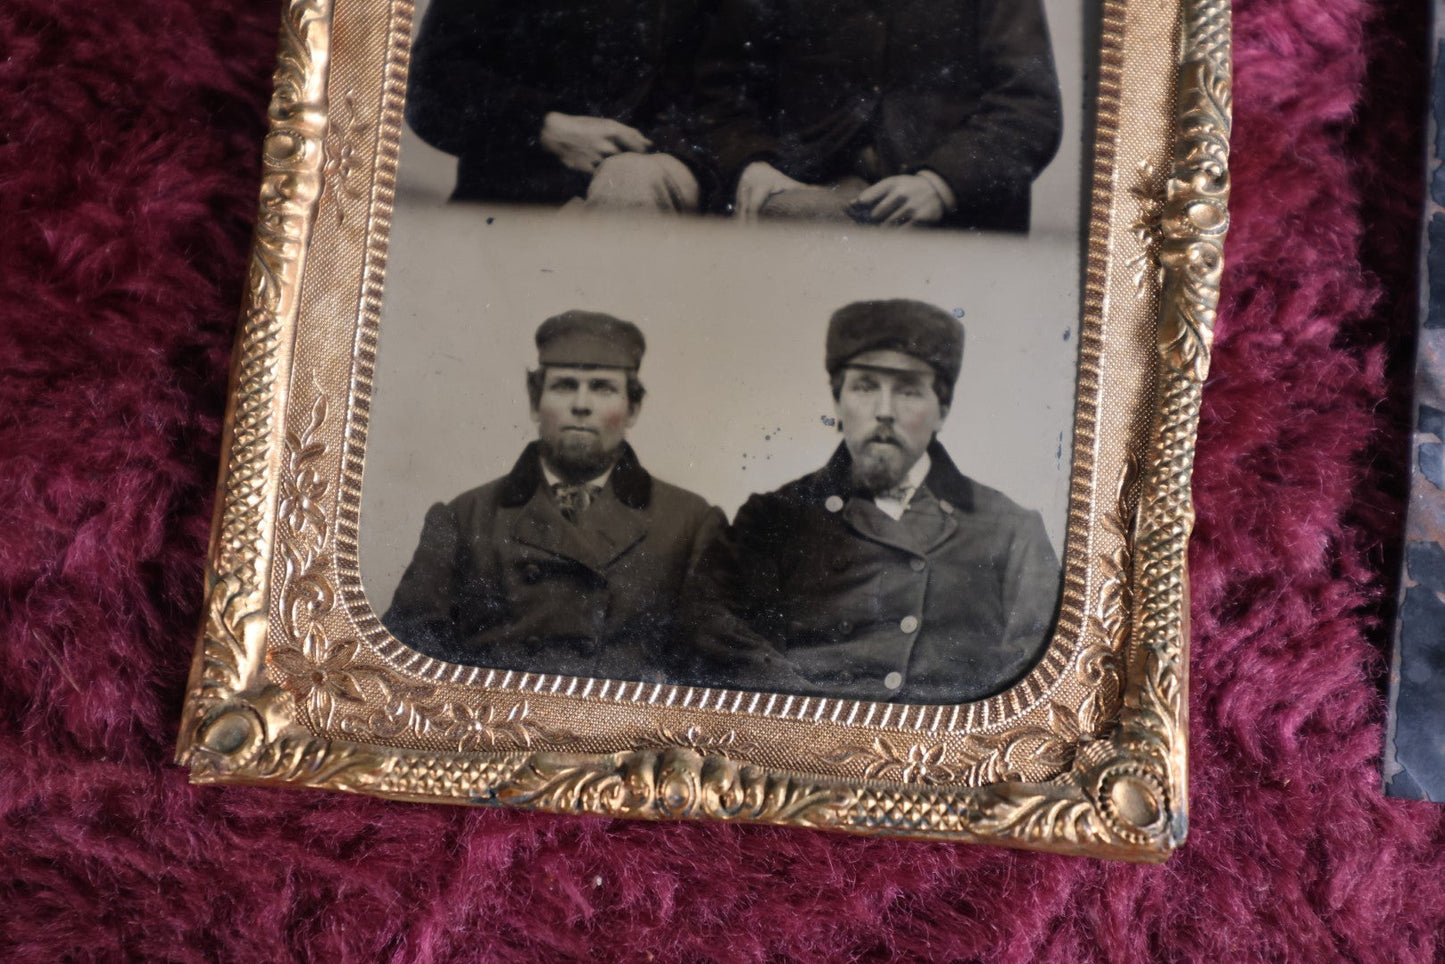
<point x="129" y="140"/>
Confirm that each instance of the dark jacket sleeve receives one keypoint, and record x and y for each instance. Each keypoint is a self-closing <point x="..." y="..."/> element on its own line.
<point x="676" y="656"/>
<point x="460" y="96"/>
<point x="1015" y="132"/>
<point x="732" y="610"/>
<point x="1030" y="589"/>
<point x="735" y="77"/>
<point x="423" y="612"/>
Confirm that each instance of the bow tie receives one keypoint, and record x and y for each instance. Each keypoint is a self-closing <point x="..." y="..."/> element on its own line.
<point x="895" y="501"/>
<point x="899" y="493"/>
<point x="573" y="500"/>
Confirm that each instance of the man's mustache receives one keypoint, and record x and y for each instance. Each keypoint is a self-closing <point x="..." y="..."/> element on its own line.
<point x="884" y="436"/>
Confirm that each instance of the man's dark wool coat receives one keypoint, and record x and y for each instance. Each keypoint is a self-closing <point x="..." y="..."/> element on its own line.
<point x="501" y="579"/>
<point x="964" y="88"/>
<point x="815" y="591"/>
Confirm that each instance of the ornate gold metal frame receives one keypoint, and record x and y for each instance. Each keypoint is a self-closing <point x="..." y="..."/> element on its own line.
<point x="295" y="682"/>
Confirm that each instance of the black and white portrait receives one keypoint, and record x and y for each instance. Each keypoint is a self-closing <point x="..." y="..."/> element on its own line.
<point x="909" y="112"/>
<point x="790" y="442"/>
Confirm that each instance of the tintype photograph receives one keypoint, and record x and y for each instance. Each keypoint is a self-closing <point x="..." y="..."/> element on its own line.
<point x="733" y="344"/>
<point x="922" y="111"/>
<point x="773" y="411"/>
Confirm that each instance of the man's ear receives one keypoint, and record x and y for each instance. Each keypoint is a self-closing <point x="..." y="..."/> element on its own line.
<point x="942" y="412"/>
<point x="634" y="409"/>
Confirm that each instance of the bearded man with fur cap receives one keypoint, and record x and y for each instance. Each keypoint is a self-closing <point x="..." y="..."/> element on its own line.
<point x="887" y="574"/>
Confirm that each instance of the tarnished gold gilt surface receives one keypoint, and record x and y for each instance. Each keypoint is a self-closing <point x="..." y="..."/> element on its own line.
<point x="295" y="682"/>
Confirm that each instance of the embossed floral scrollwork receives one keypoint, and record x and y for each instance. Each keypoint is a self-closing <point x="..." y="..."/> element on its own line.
<point x="416" y="712"/>
<point x="1195" y="218"/>
<point x="1060" y="815"/>
<point x="344" y="129"/>
<point x="1186" y="325"/>
<point x="486" y="727"/>
<point x="1100" y="664"/>
<point x="301" y="55"/>
<point x="693" y="737"/>
<point x="1153" y="725"/>
<point x="1149" y="193"/>
<point x="232" y="625"/>
<point x="1113" y="800"/>
<point x="322" y="674"/>
<point x="670" y="784"/>
<point x="1138" y="787"/>
<point x="1100" y="670"/>
<point x="405" y="710"/>
<point x="230" y="656"/>
<point x="254" y="736"/>
<point x="1033" y="751"/>
<point x="327" y="677"/>
<point x="307" y="593"/>
<point x="1205" y="119"/>
<point x="912" y="763"/>
<point x="303" y="487"/>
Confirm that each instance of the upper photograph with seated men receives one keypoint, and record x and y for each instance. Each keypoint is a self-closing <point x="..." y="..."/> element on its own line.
<point x="913" y="112"/>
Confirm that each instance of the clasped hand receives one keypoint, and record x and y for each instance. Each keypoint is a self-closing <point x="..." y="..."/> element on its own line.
<point x="582" y="143"/>
<point x="899" y="200"/>
<point x="759" y="182"/>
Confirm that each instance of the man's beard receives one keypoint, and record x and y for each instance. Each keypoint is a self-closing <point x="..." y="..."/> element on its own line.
<point x="579" y="457"/>
<point x="880" y="465"/>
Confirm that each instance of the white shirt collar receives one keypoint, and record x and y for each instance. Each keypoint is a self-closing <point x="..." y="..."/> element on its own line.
<point x="895" y="507"/>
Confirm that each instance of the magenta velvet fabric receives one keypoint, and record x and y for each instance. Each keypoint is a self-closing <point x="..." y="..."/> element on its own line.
<point x="129" y="160"/>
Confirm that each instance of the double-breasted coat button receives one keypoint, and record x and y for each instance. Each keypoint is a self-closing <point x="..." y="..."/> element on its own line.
<point x="917" y="565"/>
<point x="833" y="504"/>
<point x="845" y="628"/>
<point x="893" y="680"/>
<point x="909" y="624"/>
<point x="532" y="574"/>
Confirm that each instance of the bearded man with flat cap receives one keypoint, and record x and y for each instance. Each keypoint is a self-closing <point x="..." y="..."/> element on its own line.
<point x="888" y="574"/>
<point x="575" y="561"/>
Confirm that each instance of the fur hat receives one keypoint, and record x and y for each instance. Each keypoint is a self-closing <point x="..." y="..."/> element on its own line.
<point x="915" y="328"/>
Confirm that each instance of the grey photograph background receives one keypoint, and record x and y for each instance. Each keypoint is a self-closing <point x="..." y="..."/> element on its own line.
<point x="734" y="316"/>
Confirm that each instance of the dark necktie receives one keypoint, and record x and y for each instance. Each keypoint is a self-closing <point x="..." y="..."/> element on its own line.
<point x="573" y="500"/>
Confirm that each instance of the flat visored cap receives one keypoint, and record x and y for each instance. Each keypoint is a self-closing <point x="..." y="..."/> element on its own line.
<point x="589" y="339"/>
